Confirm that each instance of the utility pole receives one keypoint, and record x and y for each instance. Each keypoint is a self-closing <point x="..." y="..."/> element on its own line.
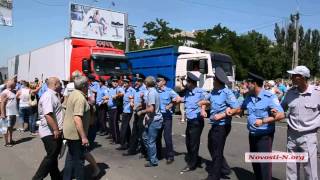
<point x="295" y="60"/>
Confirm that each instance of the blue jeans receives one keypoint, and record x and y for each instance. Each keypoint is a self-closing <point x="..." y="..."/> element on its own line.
<point x="32" y="120"/>
<point x="149" y="138"/>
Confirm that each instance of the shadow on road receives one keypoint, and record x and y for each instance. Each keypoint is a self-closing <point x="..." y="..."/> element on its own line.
<point x="22" y="140"/>
<point x="88" y="171"/>
<point x="243" y="174"/>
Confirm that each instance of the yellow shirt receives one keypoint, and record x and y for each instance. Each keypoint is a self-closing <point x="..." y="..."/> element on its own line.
<point x="77" y="105"/>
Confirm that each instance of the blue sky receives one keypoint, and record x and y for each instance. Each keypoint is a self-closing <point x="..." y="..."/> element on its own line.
<point x="37" y="23"/>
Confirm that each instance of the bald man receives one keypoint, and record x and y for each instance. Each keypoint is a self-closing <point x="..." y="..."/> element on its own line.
<point x="50" y="113"/>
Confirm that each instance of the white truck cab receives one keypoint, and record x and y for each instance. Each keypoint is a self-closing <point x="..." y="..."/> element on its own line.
<point x="204" y="63"/>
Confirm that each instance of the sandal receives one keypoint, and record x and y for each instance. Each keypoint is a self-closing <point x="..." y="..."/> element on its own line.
<point x="8" y="145"/>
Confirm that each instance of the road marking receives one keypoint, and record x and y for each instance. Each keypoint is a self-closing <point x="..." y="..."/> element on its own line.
<point x="237" y="122"/>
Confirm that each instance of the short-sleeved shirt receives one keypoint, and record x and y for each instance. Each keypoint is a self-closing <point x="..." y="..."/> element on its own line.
<point x="166" y="97"/>
<point x="191" y="100"/>
<point x="220" y="100"/>
<point x="43" y="89"/>
<point x="113" y="91"/>
<point x="137" y="96"/>
<point x="49" y="103"/>
<point x="77" y="105"/>
<point x="94" y="86"/>
<point x="303" y="108"/>
<point x="259" y="107"/>
<point x="103" y="91"/>
<point x="153" y="98"/>
<point x="69" y="88"/>
<point x="128" y="94"/>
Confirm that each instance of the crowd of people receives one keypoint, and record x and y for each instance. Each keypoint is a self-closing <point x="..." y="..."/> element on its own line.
<point x="72" y="114"/>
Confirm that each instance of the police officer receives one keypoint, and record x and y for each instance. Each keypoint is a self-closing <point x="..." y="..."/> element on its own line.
<point x="303" y="103"/>
<point x="114" y="92"/>
<point x="194" y="115"/>
<point x="263" y="110"/>
<point x="128" y="104"/>
<point x="102" y="107"/>
<point x="167" y="99"/>
<point x="136" y="144"/>
<point x="223" y="104"/>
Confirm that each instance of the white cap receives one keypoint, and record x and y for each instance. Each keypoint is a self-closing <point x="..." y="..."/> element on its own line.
<point x="271" y="82"/>
<point x="302" y="70"/>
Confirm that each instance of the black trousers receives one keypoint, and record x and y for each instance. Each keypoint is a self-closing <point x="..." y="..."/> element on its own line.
<point x="261" y="143"/>
<point x="216" y="141"/>
<point x="167" y="134"/>
<point x="102" y="112"/>
<point x="114" y="125"/>
<point x="125" y="132"/>
<point x="74" y="164"/>
<point x="136" y="141"/>
<point x="49" y="163"/>
<point x="193" y="135"/>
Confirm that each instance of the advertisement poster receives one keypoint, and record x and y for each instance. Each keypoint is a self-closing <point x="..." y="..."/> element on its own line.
<point x="6" y="12"/>
<point x="94" y="23"/>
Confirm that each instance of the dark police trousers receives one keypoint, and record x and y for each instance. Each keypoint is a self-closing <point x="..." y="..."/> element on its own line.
<point x="167" y="130"/>
<point x="114" y="125"/>
<point x="125" y="132"/>
<point x="193" y="135"/>
<point x="49" y="163"/>
<point x="102" y="111"/>
<point x="261" y="143"/>
<point x="136" y="136"/>
<point x="216" y="141"/>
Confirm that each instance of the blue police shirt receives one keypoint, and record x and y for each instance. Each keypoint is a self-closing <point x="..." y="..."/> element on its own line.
<point x="166" y="96"/>
<point x="103" y="91"/>
<point x="94" y="86"/>
<point x="191" y="100"/>
<point x="111" y="93"/>
<point x="137" y="96"/>
<point x="128" y="94"/>
<point x="220" y="100"/>
<point x="258" y="108"/>
<point x="153" y="98"/>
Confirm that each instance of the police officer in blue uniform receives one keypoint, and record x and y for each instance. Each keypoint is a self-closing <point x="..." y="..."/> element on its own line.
<point x="128" y="104"/>
<point x="167" y="98"/>
<point x="136" y="144"/>
<point x="263" y="110"/>
<point x="194" y="115"/>
<point x="223" y="104"/>
<point x="102" y="107"/>
<point x="114" y="92"/>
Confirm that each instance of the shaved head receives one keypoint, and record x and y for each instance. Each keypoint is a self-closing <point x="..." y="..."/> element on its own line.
<point x="54" y="83"/>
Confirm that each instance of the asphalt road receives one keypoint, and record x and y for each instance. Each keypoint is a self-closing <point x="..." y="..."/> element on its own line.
<point x="22" y="160"/>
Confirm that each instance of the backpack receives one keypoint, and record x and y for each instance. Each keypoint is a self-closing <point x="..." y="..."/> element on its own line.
<point x="33" y="100"/>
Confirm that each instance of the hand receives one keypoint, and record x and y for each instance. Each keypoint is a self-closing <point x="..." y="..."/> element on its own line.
<point x="168" y="107"/>
<point x="203" y="114"/>
<point x="56" y="134"/>
<point x="139" y="113"/>
<point x="274" y="112"/>
<point x="106" y="98"/>
<point x="229" y="112"/>
<point x="218" y="117"/>
<point x="114" y="97"/>
<point x="85" y="142"/>
<point x="132" y="105"/>
<point x="258" y="123"/>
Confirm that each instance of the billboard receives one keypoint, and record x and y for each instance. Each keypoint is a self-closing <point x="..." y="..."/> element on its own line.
<point x="6" y="12"/>
<point x="93" y="23"/>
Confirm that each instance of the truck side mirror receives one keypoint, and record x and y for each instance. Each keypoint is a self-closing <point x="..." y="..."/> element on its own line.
<point x="203" y="66"/>
<point x="85" y="66"/>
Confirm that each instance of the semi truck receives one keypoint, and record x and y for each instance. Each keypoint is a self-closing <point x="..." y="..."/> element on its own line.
<point x="62" y="58"/>
<point x="174" y="62"/>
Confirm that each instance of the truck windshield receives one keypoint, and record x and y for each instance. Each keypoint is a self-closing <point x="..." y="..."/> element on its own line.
<point x="108" y="65"/>
<point x="224" y="61"/>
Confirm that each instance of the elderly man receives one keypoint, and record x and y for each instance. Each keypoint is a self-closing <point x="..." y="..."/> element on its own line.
<point x="303" y="105"/>
<point x="75" y="129"/>
<point x="153" y="120"/>
<point x="50" y="112"/>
